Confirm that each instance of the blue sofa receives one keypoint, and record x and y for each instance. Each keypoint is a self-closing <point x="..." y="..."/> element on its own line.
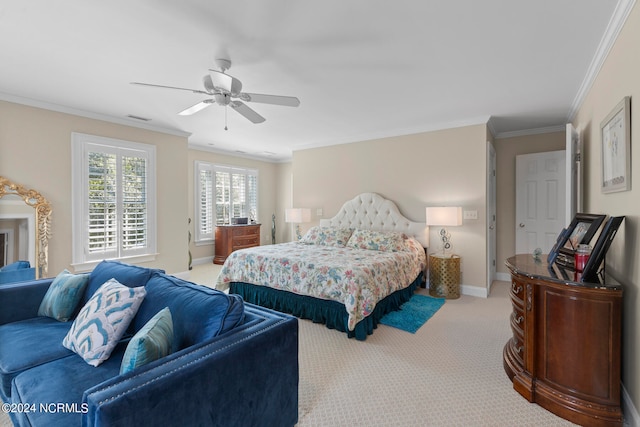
<point x="19" y="271"/>
<point x="233" y="363"/>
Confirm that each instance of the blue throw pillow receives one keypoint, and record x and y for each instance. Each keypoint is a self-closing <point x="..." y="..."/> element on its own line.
<point x="18" y="265"/>
<point x="103" y="320"/>
<point x="63" y="296"/>
<point x="152" y="342"/>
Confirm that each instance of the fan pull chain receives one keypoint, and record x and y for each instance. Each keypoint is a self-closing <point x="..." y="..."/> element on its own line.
<point x="225" y="118"/>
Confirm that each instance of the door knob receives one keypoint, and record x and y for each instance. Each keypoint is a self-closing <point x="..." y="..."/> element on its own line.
<point x="521" y="225"/>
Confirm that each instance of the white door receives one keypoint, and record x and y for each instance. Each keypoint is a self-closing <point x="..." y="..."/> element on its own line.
<point x="491" y="215"/>
<point x="574" y="174"/>
<point x="540" y="200"/>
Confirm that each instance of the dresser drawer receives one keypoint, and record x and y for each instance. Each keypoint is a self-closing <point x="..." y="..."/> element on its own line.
<point x="246" y="230"/>
<point x="240" y="242"/>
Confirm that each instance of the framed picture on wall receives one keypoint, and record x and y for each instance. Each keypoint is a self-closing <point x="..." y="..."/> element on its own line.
<point x="615" y="132"/>
<point x="580" y="231"/>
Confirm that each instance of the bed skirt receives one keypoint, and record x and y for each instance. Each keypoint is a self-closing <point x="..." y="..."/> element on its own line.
<point x="331" y="313"/>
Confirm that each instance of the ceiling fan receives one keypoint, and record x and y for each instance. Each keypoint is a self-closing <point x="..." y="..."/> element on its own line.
<point x="226" y="90"/>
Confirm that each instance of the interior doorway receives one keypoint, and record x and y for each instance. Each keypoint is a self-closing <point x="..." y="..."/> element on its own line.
<point x="540" y="200"/>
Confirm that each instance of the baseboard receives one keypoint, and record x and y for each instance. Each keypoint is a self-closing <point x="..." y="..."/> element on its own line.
<point x="631" y="416"/>
<point x="474" y="291"/>
<point x="505" y="277"/>
<point x="205" y="260"/>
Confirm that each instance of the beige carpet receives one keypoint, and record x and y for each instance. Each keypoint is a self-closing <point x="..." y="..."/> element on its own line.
<point x="448" y="374"/>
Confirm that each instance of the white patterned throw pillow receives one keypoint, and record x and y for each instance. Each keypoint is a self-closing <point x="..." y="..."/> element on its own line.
<point x="103" y="320"/>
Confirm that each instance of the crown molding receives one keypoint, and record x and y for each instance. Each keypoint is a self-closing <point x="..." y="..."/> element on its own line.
<point x="618" y="19"/>
<point x="526" y="132"/>
<point x="88" y="114"/>
<point x="241" y="154"/>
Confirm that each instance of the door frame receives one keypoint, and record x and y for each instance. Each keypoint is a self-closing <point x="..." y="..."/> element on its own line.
<point x="491" y="219"/>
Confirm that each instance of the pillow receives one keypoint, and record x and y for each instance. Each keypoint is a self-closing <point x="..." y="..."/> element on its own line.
<point x="63" y="296"/>
<point x="103" y="320"/>
<point x="18" y="265"/>
<point x="152" y="342"/>
<point x="328" y="236"/>
<point x="389" y="241"/>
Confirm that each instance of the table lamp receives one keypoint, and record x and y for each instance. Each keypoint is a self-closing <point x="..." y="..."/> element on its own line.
<point x="297" y="216"/>
<point x="444" y="216"/>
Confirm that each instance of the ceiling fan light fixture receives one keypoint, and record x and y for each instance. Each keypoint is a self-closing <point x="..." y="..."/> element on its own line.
<point x="222" y="98"/>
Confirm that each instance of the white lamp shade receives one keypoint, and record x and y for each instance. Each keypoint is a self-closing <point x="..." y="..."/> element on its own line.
<point x="444" y="216"/>
<point x="297" y="215"/>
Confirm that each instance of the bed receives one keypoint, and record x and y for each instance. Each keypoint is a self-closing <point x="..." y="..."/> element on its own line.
<point x="347" y="272"/>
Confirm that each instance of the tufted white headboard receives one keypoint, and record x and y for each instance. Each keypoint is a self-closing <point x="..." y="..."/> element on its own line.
<point x="373" y="212"/>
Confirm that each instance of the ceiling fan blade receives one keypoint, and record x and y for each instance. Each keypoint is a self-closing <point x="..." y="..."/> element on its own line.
<point x="170" y="87"/>
<point x="243" y="109"/>
<point x="197" y="107"/>
<point x="226" y="82"/>
<point x="287" y="101"/>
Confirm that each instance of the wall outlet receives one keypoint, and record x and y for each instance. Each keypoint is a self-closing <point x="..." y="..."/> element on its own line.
<point x="470" y="215"/>
<point x="319" y="212"/>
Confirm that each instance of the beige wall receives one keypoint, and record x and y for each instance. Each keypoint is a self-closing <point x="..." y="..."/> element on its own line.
<point x="619" y="77"/>
<point x="269" y="193"/>
<point x="35" y="151"/>
<point x="506" y="151"/>
<point x="440" y="168"/>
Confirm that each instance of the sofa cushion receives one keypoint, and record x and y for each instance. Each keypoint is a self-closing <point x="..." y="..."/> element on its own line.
<point x="199" y="313"/>
<point x="29" y="343"/>
<point x="61" y="381"/>
<point x="132" y="276"/>
<point x="63" y="296"/>
<point x="152" y="342"/>
<point x="103" y="321"/>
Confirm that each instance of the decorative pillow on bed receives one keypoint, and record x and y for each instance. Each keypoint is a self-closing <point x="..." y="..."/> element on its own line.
<point x="327" y="236"/>
<point x="385" y="241"/>
<point x="103" y="320"/>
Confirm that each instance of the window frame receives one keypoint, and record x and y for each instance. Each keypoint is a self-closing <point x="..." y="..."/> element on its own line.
<point x="82" y="145"/>
<point x="208" y="238"/>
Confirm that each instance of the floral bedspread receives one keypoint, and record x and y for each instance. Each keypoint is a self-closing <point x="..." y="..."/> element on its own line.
<point x="358" y="278"/>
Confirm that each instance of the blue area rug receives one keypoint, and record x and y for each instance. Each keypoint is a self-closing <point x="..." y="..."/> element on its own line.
<point x="413" y="313"/>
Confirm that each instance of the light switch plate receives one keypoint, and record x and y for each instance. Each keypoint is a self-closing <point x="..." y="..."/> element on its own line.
<point x="470" y="215"/>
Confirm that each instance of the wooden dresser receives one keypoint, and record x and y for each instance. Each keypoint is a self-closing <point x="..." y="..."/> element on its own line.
<point x="565" y="350"/>
<point x="233" y="237"/>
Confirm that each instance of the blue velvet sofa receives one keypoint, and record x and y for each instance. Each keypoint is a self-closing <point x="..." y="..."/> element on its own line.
<point x="232" y="364"/>
<point x="18" y="271"/>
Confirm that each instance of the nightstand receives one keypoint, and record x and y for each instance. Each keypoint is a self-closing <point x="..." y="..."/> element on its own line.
<point x="444" y="276"/>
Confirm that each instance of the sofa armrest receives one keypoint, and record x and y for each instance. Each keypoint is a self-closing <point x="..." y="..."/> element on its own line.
<point x="248" y="376"/>
<point x="20" y="301"/>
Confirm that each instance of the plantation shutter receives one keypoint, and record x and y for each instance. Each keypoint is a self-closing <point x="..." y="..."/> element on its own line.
<point x="118" y="215"/>
<point x="102" y="224"/>
<point x="204" y="199"/>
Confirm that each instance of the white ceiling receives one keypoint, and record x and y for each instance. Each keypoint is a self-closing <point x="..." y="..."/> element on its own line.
<point x="362" y="69"/>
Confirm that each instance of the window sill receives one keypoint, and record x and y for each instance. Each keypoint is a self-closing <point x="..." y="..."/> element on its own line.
<point x="90" y="265"/>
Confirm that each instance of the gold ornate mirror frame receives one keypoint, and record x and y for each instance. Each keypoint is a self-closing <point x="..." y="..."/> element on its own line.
<point x="43" y="220"/>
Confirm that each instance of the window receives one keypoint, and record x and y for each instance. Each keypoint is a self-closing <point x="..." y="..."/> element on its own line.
<point x="222" y="193"/>
<point x="113" y="200"/>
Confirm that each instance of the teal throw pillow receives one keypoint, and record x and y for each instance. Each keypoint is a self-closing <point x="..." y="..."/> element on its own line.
<point x="152" y="342"/>
<point x="103" y="320"/>
<point x="63" y="296"/>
